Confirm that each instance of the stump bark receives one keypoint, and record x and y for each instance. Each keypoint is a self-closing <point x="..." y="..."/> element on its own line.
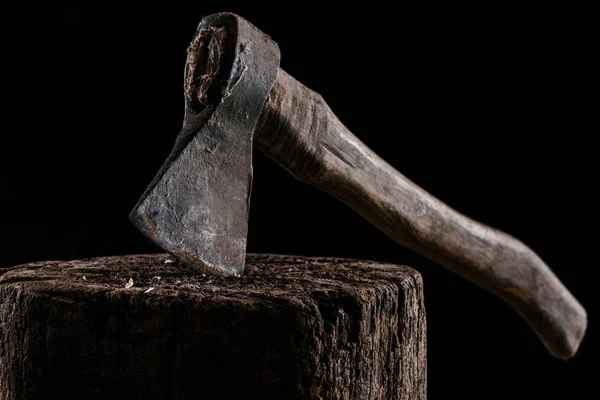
<point x="290" y="328"/>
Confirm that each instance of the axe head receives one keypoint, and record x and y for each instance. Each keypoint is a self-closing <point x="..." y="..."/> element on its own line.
<point x="196" y="208"/>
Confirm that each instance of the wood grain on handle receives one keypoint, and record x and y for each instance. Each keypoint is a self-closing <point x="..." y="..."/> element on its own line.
<point x="300" y="132"/>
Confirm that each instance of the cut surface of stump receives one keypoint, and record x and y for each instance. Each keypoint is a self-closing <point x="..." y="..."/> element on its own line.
<point x="147" y="327"/>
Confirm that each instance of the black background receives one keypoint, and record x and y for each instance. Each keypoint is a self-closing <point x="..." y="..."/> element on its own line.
<point x="488" y="108"/>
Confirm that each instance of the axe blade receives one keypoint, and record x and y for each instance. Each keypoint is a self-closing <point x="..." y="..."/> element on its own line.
<point x="197" y="206"/>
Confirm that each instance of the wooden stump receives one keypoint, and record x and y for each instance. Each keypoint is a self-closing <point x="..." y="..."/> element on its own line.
<point x="290" y="328"/>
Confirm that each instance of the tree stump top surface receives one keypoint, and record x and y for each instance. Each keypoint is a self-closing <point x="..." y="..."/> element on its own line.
<point x="161" y="274"/>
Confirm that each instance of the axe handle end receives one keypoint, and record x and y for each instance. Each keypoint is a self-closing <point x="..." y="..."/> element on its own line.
<point x="300" y="132"/>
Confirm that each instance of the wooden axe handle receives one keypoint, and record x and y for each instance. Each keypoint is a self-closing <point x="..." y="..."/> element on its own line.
<point x="300" y="132"/>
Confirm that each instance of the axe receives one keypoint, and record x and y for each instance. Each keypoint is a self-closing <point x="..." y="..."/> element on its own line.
<point x="196" y="208"/>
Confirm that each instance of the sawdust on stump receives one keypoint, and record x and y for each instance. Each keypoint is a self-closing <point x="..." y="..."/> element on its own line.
<point x="144" y="326"/>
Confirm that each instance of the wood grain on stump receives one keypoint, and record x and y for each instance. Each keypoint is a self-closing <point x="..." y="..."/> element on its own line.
<point x="290" y="328"/>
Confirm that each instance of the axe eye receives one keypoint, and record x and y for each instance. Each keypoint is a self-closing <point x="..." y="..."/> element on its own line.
<point x="204" y="75"/>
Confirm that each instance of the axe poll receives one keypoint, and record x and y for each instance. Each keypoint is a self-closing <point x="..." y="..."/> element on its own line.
<point x="236" y="95"/>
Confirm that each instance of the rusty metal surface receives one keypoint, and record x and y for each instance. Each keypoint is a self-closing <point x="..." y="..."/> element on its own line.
<point x="197" y="206"/>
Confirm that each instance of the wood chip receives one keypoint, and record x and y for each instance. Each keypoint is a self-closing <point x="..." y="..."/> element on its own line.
<point x="84" y="278"/>
<point x="169" y="261"/>
<point x="149" y="290"/>
<point x="129" y="284"/>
